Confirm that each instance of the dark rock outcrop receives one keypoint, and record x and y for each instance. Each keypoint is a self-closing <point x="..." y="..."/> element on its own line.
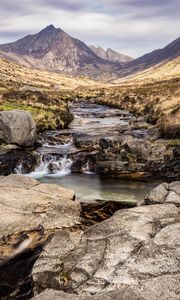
<point x="13" y="159"/>
<point x="18" y="253"/>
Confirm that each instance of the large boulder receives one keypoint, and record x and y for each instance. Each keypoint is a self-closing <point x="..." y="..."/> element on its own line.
<point x="17" y="127"/>
<point x="30" y="214"/>
<point x="26" y="204"/>
<point x="137" y="247"/>
<point x="132" y="255"/>
<point x="164" y="193"/>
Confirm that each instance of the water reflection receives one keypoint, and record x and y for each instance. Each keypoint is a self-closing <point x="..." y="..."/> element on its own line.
<point x="90" y="187"/>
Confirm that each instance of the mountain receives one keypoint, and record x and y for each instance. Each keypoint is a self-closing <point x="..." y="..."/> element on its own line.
<point x="111" y="55"/>
<point x="168" y="53"/>
<point x="166" y="70"/>
<point x="54" y="50"/>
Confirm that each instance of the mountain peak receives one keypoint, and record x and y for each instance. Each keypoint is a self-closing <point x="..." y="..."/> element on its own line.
<point x="111" y="55"/>
<point x="50" y="29"/>
<point x="51" y="26"/>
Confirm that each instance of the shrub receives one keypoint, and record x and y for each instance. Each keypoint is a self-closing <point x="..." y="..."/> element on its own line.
<point x="169" y="126"/>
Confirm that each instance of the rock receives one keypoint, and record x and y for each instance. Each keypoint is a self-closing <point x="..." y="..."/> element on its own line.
<point x="48" y="268"/>
<point x="13" y="158"/>
<point x="164" y="193"/>
<point x="121" y="294"/>
<point x="25" y="204"/>
<point x="17" y="127"/>
<point x="30" y="212"/>
<point x="137" y="247"/>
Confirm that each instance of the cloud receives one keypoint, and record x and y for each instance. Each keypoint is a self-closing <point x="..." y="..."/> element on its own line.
<point x="129" y="26"/>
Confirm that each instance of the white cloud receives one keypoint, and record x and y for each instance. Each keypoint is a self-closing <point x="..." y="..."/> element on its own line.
<point x="120" y="24"/>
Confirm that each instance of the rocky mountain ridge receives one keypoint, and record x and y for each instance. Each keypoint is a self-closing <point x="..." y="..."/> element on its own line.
<point x="111" y="55"/>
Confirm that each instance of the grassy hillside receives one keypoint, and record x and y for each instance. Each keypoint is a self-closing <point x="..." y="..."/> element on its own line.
<point x="154" y="93"/>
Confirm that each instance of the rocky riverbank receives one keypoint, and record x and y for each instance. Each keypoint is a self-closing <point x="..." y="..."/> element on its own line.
<point x="101" y="139"/>
<point x="114" y="142"/>
<point x="134" y="253"/>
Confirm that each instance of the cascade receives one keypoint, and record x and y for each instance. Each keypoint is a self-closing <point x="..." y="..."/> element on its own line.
<point x="49" y="166"/>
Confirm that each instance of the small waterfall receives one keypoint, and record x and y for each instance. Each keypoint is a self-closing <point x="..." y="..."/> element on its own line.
<point x="86" y="169"/>
<point x="19" y="169"/>
<point x="49" y="166"/>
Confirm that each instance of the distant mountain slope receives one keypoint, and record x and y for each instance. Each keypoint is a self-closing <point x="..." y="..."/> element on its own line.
<point x="165" y="70"/>
<point x="53" y="49"/>
<point x="169" y="52"/>
<point x="111" y="55"/>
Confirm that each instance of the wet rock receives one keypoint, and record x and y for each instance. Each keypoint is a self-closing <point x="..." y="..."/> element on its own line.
<point x="164" y="193"/>
<point x="17" y="127"/>
<point x="126" y="154"/>
<point x="26" y="204"/>
<point x="80" y="160"/>
<point x="13" y="158"/>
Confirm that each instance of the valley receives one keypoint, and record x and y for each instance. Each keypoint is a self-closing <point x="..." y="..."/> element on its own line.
<point x="89" y="171"/>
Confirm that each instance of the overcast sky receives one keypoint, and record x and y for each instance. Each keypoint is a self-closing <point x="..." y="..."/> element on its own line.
<point x="133" y="27"/>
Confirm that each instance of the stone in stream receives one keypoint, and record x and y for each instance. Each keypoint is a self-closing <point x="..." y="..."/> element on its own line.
<point x="17" y="127"/>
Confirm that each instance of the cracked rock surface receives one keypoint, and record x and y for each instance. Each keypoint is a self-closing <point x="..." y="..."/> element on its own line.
<point x="26" y="204"/>
<point x="132" y="255"/>
<point x="29" y="212"/>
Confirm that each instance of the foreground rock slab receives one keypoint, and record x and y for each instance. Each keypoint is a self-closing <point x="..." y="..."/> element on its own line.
<point x="122" y="294"/>
<point x="30" y="213"/>
<point x="138" y="248"/>
<point x="17" y="127"/>
<point x="26" y="204"/>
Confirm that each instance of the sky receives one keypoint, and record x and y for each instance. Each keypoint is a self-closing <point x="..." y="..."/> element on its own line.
<point x="132" y="27"/>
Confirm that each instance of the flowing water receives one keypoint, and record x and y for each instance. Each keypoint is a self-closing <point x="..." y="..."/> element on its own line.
<point x="55" y="162"/>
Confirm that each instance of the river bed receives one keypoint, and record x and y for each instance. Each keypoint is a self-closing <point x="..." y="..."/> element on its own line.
<point x="57" y="152"/>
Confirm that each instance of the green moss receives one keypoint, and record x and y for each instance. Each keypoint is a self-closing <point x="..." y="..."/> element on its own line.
<point x="45" y="117"/>
<point x="64" y="277"/>
<point x="174" y="142"/>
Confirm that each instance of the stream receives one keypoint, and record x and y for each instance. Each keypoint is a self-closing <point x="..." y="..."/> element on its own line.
<point x="61" y="148"/>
